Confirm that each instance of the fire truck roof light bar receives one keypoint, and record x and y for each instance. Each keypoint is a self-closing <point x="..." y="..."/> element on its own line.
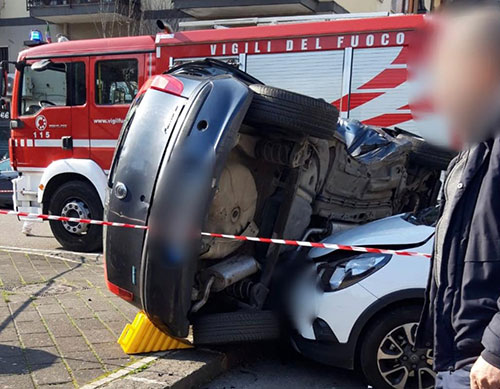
<point x="220" y="23"/>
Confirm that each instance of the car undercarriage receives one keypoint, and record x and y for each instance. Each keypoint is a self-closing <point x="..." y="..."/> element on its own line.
<point x="228" y="155"/>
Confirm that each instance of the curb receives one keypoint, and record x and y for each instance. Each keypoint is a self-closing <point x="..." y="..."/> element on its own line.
<point x="177" y="369"/>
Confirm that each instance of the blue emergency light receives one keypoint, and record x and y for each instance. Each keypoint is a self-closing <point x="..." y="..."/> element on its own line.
<point x="36" y="35"/>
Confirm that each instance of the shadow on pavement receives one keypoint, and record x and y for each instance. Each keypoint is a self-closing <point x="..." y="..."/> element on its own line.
<point x="12" y="360"/>
<point x="28" y="301"/>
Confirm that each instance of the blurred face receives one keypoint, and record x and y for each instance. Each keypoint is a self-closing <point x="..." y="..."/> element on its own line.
<point x="466" y="81"/>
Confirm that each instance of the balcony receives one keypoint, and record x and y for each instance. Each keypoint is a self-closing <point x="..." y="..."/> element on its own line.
<point x="221" y="9"/>
<point x="83" y="11"/>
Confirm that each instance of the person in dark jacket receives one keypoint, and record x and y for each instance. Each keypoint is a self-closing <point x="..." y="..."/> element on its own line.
<point x="461" y="316"/>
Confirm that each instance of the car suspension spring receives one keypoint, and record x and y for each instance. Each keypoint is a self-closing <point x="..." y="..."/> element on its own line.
<point x="275" y="152"/>
<point x="289" y="154"/>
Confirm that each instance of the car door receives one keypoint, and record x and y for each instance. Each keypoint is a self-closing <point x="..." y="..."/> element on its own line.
<point x="52" y="109"/>
<point x="116" y="79"/>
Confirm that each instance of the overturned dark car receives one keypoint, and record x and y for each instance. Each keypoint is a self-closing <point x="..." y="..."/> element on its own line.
<point x="207" y="147"/>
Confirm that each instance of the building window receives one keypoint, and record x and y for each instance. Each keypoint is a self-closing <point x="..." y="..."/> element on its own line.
<point x="4" y="56"/>
<point x="4" y="53"/>
<point x="116" y="81"/>
<point x="60" y="84"/>
<point x="399" y="6"/>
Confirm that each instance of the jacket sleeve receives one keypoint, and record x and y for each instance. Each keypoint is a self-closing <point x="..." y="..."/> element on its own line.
<point x="491" y="340"/>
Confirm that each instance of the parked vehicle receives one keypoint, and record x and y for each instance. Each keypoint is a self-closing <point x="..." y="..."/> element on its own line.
<point x="6" y="177"/>
<point x="362" y="309"/>
<point x="228" y="154"/>
<point x="6" y="80"/>
<point x="70" y="98"/>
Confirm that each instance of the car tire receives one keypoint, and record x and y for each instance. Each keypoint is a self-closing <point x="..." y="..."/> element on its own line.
<point x="388" y="346"/>
<point x="293" y="112"/>
<point x="83" y="194"/>
<point x="428" y="155"/>
<point x="235" y="327"/>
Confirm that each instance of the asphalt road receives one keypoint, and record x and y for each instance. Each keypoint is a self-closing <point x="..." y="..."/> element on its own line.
<point x="279" y="368"/>
<point x="11" y="235"/>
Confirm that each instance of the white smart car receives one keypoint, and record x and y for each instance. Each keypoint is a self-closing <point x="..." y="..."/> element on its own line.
<point x="364" y="308"/>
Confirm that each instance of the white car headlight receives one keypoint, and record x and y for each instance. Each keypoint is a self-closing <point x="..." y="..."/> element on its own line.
<point x="344" y="274"/>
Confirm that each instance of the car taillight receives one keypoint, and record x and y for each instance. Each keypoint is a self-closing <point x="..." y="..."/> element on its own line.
<point x="163" y="83"/>
<point x="124" y="294"/>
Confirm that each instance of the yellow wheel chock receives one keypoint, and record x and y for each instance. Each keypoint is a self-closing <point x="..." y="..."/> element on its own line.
<point x="143" y="337"/>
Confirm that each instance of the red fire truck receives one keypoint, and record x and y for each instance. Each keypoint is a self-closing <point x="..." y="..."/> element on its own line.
<point x="70" y="99"/>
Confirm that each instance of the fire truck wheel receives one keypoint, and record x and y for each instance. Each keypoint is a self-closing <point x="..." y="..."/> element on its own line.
<point x="293" y="112"/>
<point x="80" y="200"/>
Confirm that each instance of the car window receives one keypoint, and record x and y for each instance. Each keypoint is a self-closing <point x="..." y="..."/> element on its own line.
<point x="61" y="84"/>
<point x="116" y="81"/>
<point x="5" y="165"/>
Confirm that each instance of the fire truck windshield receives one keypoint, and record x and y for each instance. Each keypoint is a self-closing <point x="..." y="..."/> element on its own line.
<point x="60" y="84"/>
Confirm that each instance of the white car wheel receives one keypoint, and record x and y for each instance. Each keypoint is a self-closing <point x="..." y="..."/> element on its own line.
<point x="389" y="358"/>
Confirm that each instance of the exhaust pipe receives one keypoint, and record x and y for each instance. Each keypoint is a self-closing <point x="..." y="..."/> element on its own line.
<point x="230" y="271"/>
<point x="218" y="277"/>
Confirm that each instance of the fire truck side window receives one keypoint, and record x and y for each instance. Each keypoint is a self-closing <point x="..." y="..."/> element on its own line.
<point x="116" y="81"/>
<point x="60" y="84"/>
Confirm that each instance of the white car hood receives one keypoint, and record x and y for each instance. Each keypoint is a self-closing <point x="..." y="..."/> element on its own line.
<point x="394" y="231"/>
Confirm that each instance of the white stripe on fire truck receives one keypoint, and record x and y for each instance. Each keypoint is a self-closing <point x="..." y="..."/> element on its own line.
<point x="81" y="143"/>
<point x="97" y="143"/>
<point x="103" y="143"/>
<point x="397" y="66"/>
<point x="48" y="143"/>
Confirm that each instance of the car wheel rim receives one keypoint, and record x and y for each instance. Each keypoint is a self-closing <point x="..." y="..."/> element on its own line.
<point x="401" y="364"/>
<point x="79" y="210"/>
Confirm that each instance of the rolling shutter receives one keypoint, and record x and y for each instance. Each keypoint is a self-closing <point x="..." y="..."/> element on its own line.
<point x="317" y="74"/>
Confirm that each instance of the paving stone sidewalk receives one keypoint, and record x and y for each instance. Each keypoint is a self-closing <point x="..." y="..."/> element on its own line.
<point x="58" y="322"/>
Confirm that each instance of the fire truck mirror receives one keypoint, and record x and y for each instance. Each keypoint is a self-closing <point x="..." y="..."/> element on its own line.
<point x="42" y="65"/>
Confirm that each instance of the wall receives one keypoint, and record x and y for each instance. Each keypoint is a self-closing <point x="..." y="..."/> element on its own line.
<point x="83" y="31"/>
<point x="15" y="26"/>
<point x="13" y="37"/>
<point x="156" y="4"/>
<point x="379" y="5"/>
<point x="365" y="5"/>
<point x="13" y="9"/>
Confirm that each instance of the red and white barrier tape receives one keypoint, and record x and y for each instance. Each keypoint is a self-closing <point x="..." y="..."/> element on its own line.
<point x="6" y="191"/>
<point x="332" y="246"/>
<point x="286" y="242"/>
<point x="71" y="219"/>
